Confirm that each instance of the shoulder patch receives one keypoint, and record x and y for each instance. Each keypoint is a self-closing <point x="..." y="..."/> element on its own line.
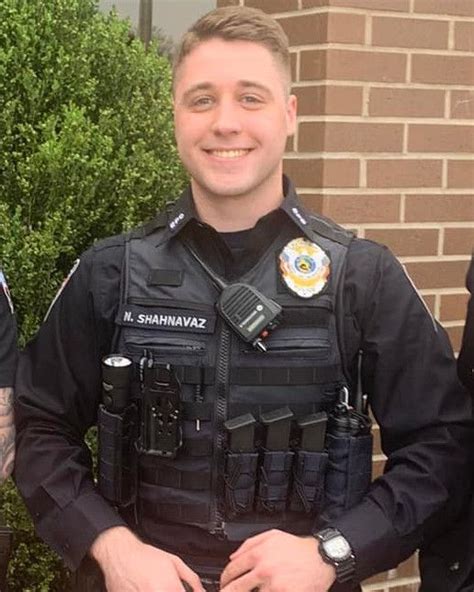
<point x="63" y="285"/>
<point x="6" y="291"/>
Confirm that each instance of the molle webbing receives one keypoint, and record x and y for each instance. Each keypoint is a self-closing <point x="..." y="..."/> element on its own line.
<point x="291" y="376"/>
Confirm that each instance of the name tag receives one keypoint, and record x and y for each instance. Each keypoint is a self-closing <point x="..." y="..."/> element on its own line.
<point x="169" y="319"/>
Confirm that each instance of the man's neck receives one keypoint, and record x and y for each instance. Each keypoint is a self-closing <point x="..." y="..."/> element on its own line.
<point x="234" y="213"/>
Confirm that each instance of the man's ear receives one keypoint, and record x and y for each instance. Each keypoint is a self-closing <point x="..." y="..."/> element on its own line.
<point x="291" y="111"/>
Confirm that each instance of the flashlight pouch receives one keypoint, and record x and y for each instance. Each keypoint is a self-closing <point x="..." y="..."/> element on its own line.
<point x="349" y="471"/>
<point x="117" y="455"/>
<point x="240" y="478"/>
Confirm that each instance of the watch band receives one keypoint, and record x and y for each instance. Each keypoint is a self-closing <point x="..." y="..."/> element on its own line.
<point x="344" y="568"/>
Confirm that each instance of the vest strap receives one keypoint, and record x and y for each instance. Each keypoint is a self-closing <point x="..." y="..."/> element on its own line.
<point x="174" y="512"/>
<point x="329" y="229"/>
<point x="299" y="409"/>
<point x="159" y="221"/>
<point x="170" y="476"/>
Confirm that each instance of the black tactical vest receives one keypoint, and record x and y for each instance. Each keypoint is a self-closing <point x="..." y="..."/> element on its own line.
<point x="168" y="310"/>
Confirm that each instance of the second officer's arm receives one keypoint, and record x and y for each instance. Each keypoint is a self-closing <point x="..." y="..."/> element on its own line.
<point x="7" y="433"/>
<point x="466" y="355"/>
<point x="8" y="355"/>
<point x="58" y="391"/>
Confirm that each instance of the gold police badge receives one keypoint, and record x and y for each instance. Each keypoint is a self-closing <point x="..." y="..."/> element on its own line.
<point x="304" y="267"/>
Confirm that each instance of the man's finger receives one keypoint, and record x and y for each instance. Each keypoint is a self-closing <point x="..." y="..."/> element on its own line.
<point x="188" y="575"/>
<point x="237" y="568"/>
<point x="251" y="543"/>
<point x="248" y="581"/>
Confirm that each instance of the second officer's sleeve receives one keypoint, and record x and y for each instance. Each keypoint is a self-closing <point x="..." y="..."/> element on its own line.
<point x="423" y="412"/>
<point x="58" y="392"/>
<point x="8" y="351"/>
<point x="466" y="355"/>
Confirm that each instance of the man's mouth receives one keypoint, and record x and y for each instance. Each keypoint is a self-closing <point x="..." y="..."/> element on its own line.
<point x="236" y="153"/>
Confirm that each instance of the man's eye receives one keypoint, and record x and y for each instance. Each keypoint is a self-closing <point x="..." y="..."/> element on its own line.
<point x="201" y="102"/>
<point x="251" y="100"/>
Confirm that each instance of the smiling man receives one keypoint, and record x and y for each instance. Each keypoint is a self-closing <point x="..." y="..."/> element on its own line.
<point x="235" y="442"/>
<point x="233" y="114"/>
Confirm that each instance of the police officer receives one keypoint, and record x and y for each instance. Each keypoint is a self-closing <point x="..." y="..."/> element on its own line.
<point x="237" y="308"/>
<point x="447" y="557"/>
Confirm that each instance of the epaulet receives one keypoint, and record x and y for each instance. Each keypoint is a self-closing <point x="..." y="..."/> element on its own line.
<point x="108" y="242"/>
<point x="329" y="229"/>
<point x="159" y="221"/>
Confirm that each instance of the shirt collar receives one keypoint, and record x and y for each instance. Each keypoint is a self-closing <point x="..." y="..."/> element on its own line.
<point x="294" y="209"/>
<point x="183" y="210"/>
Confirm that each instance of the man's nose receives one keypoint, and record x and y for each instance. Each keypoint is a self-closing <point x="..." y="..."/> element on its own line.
<point x="227" y="119"/>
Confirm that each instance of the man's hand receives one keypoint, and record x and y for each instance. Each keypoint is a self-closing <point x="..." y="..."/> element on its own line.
<point x="129" y="565"/>
<point x="7" y="433"/>
<point x="277" y="561"/>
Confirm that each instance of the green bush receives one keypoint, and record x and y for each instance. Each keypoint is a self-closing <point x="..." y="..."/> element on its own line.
<point x="86" y="151"/>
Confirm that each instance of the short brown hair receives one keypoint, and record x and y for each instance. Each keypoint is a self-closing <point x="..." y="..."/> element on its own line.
<point x="236" y="23"/>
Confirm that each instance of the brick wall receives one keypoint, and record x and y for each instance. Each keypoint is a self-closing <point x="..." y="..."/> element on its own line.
<point x="385" y="140"/>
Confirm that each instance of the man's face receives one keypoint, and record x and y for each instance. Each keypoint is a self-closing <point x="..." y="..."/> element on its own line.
<point x="232" y="118"/>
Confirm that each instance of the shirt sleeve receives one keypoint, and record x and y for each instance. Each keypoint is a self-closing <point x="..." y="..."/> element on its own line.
<point x="58" y="393"/>
<point x="8" y="348"/>
<point x="424" y="413"/>
<point x="466" y="355"/>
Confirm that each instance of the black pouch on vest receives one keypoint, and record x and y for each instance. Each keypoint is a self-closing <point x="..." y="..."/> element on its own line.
<point x="240" y="479"/>
<point x="349" y="447"/>
<point x="274" y="481"/>
<point x="117" y="455"/>
<point x="309" y="472"/>
<point x="349" y="471"/>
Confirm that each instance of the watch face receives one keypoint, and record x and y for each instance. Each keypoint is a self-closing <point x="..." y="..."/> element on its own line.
<point x="337" y="548"/>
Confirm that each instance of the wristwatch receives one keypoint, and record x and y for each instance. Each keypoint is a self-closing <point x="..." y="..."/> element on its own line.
<point x="336" y="551"/>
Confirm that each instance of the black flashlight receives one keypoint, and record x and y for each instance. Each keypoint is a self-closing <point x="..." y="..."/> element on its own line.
<point x="116" y="377"/>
